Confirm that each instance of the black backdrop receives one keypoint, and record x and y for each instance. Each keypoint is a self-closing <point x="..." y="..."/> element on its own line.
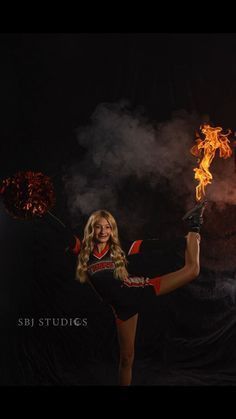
<point x="50" y="85"/>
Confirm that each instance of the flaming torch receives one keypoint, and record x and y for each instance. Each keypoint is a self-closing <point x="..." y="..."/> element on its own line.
<point x="205" y="150"/>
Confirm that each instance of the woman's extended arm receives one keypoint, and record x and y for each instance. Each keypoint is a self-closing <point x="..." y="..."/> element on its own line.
<point x="67" y="237"/>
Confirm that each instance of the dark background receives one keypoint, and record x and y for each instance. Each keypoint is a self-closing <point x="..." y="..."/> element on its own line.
<point x="50" y="85"/>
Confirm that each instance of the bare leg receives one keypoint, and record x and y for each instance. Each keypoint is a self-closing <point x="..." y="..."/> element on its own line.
<point x="174" y="280"/>
<point x="126" y="336"/>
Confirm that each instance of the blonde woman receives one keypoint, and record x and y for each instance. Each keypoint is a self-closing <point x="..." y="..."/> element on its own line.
<point x="103" y="264"/>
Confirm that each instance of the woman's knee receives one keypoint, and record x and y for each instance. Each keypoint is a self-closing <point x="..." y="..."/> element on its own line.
<point x="127" y="358"/>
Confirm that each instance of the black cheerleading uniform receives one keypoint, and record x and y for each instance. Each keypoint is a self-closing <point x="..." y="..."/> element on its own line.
<point x="124" y="297"/>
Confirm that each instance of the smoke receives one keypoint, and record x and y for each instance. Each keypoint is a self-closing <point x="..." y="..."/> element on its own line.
<point x="129" y="159"/>
<point x="227" y="288"/>
<point x="222" y="190"/>
<point x="121" y="144"/>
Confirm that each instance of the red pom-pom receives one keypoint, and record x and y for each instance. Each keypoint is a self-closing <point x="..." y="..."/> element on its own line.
<point x="28" y="194"/>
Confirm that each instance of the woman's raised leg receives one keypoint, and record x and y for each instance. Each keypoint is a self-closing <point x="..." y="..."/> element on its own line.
<point x="173" y="280"/>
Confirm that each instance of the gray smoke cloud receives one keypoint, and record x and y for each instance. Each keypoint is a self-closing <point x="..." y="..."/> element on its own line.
<point x="121" y="144"/>
<point x="222" y="190"/>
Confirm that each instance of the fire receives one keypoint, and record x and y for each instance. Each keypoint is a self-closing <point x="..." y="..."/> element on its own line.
<point x="205" y="150"/>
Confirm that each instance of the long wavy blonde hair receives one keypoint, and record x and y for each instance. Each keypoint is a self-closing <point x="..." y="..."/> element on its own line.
<point x="116" y="252"/>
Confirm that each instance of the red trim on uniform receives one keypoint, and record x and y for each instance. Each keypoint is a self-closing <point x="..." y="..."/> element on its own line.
<point x="119" y="321"/>
<point x="103" y="252"/>
<point x="156" y="283"/>
<point x="135" y="282"/>
<point x="98" y="266"/>
<point x="135" y="247"/>
<point x="77" y="246"/>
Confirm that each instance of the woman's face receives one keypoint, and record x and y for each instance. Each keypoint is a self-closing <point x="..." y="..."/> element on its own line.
<point x="102" y="230"/>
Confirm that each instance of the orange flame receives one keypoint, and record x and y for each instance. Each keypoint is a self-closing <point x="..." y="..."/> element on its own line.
<point x="213" y="140"/>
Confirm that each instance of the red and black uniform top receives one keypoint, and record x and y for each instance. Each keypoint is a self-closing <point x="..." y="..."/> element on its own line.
<point x="124" y="297"/>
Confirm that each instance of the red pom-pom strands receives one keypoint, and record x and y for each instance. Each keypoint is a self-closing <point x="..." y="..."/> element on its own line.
<point x="28" y="194"/>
